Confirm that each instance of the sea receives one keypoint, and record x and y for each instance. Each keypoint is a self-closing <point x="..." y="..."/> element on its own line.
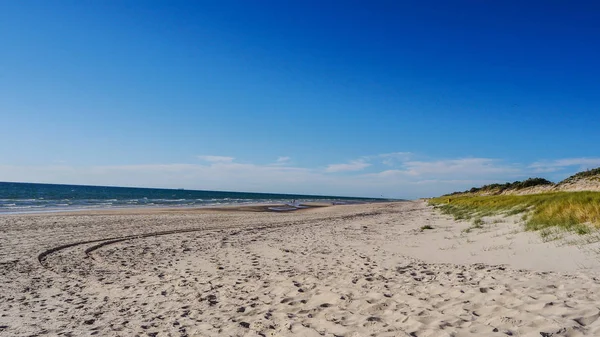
<point x="36" y="198"/>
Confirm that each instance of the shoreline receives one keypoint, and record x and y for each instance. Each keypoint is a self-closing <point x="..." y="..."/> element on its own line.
<point x="249" y="207"/>
<point x="22" y="198"/>
<point x="185" y="207"/>
<point x="366" y="269"/>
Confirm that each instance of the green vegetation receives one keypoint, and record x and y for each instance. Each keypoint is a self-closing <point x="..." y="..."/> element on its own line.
<point x="477" y="224"/>
<point x="499" y="188"/>
<point x="426" y="227"/>
<point x="550" y="234"/>
<point x="574" y="211"/>
<point x="494" y="189"/>
<point x="583" y="174"/>
<point x="550" y="211"/>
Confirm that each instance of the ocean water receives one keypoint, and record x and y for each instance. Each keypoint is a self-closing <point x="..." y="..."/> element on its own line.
<point x="33" y="198"/>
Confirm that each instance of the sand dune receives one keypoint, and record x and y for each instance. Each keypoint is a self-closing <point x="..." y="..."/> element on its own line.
<point x="360" y="270"/>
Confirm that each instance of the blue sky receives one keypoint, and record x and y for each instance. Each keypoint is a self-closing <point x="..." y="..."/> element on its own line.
<point x="400" y="99"/>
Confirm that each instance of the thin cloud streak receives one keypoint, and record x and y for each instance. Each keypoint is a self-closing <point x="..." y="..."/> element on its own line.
<point x="390" y="159"/>
<point x="463" y="166"/>
<point x="217" y="159"/>
<point x="282" y="161"/>
<point x="561" y="164"/>
<point x="356" y="165"/>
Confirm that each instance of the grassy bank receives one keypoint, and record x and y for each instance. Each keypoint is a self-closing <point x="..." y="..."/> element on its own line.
<point x="574" y="211"/>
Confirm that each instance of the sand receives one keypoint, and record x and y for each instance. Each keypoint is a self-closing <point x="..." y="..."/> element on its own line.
<point x="360" y="270"/>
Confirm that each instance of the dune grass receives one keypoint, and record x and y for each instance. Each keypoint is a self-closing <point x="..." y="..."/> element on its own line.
<point x="573" y="211"/>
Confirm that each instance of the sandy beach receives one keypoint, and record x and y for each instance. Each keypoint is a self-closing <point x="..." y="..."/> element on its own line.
<point x="354" y="270"/>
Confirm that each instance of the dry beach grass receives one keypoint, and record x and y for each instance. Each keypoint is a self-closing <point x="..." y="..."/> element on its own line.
<point x="360" y="270"/>
<point x="576" y="211"/>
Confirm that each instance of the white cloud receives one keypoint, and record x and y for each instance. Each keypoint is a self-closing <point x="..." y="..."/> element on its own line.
<point x="356" y="165"/>
<point x="213" y="176"/>
<point x="413" y="179"/>
<point x="282" y="161"/>
<point x="217" y="159"/>
<point x="406" y="179"/>
<point x="394" y="157"/>
<point x="461" y="167"/>
<point x="451" y="168"/>
<point x="561" y="164"/>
